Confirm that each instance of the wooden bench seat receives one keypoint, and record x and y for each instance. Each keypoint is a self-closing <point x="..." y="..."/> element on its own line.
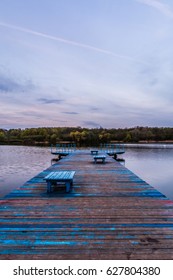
<point x="101" y="158"/>
<point x="59" y="176"/>
<point x="94" y="152"/>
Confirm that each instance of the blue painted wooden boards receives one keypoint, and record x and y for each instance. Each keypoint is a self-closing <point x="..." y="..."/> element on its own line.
<point x="109" y="214"/>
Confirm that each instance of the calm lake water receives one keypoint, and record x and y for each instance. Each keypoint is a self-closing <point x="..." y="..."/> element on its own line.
<point x="153" y="165"/>
<point x="20" y="163"/>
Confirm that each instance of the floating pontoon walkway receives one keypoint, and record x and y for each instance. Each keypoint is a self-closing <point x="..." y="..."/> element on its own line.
<point x="110" y="214"/>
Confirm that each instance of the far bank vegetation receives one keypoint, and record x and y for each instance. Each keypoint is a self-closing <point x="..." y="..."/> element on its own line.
<point x="84" y="137"/>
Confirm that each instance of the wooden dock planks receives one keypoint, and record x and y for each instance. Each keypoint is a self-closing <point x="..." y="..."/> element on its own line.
<point x="110" y="214"/>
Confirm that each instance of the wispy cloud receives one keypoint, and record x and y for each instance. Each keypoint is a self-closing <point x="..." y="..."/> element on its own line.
<point x="93" y="108"/>
<point x="50" y="101"/>
<point x="69" y="42"/>
<point x="163" y="8"/>
<point x="91" y="124"/>
<point x="32" y="114"/>
<point x="9" y="85"/>
<point x="71" y="113"/>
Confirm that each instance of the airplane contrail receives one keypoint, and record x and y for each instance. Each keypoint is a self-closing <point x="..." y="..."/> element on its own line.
<point x="69" y="42"/>
<point x="158" y="5"/>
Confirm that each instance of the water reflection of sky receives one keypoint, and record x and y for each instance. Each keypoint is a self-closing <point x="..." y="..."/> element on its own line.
<point x="152" y="165"/>
<point x="19" y="164"/>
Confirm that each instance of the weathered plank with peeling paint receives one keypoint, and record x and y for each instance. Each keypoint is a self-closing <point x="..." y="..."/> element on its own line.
<point x="109" y="214"/>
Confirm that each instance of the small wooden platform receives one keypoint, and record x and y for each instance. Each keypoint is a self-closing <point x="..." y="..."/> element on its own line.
<point x="110" y="214"/>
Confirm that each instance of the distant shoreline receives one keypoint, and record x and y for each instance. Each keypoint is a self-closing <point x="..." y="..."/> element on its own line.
<point x="86" y="137"/>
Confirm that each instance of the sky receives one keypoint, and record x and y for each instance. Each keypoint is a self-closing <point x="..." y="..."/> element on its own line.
<point x="90" y="63"/>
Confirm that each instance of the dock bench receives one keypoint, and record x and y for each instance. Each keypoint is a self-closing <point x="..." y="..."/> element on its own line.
<point x="99" y="158"/>
<point x="94" y="152"/>
<point x="59" y="176"/>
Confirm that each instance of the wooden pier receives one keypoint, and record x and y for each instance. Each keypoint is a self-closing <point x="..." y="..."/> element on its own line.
<point x="109" y="214"/>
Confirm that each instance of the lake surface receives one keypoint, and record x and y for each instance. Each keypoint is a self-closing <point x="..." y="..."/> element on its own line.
<point x="20" y="163"/>
<point x="153" y="165"/>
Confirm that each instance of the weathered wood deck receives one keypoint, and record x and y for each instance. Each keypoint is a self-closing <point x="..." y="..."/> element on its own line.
<point x="110" y="214"/>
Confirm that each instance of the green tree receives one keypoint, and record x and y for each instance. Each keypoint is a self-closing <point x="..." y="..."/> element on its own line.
<point x="128" y="137"/>
<point x="2" y="136"/>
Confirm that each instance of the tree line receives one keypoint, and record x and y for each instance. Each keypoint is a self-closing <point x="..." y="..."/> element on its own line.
<point x="84" y="136"/>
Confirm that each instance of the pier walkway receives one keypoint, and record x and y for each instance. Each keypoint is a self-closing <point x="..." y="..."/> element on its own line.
<point x="110" y="214"/>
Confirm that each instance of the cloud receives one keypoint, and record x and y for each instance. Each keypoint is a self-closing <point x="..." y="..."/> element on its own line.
<point x="50" y="101"/>
<point x="70" y="113"/>
<point x="91" y="124"/>
<point x="32" y="114"/>
<point x="93" y="108"/>
<point x="9" y="85"/>
<point x="69" y="42"/>
<point x="161" y="7"/>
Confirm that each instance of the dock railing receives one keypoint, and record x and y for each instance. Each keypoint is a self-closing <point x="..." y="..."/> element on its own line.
<point x="63" y="148"/>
